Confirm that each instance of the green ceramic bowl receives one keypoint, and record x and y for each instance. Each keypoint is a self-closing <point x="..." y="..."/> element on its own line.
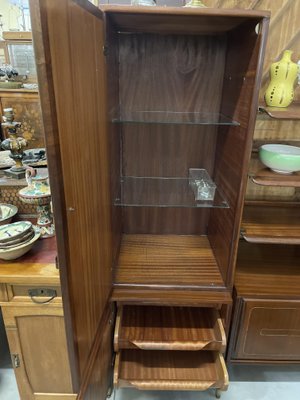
<point x="280" y="158"/>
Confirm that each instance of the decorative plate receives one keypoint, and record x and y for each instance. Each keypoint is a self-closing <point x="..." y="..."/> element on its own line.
<point x="14" y="231"/>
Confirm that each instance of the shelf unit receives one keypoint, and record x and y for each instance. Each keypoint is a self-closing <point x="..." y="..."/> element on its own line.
<point x="266" y="177"/>
<point x="290" y="112"/>
<point x="169" y="90"/>
<point x="271" y="224"/>
<point x="266" y="320"/>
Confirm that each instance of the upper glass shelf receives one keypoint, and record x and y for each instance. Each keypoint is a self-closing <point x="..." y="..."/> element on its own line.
<point x="170" y="117"/>
<point x="163" y="192"/>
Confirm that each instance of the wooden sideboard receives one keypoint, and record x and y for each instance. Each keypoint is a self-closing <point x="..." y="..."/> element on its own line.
<point x="34" y="324"/>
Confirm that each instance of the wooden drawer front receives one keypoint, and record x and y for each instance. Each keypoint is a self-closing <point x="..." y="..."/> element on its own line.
<point x="168" y="328"/>
<point x="170" y="370"/>
<point x="23" y="293"/>
<point x="270" y="330"/>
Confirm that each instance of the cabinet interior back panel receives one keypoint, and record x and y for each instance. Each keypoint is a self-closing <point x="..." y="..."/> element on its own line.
<point x="169" y="73"/>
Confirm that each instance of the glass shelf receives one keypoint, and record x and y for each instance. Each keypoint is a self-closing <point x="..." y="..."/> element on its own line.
<point x="163" y="192"/>
<point x="169" y="117"/>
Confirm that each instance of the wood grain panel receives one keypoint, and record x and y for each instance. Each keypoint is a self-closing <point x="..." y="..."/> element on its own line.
<point x="74" y="102"/>
<point x="166" y="261"/>
<point x="37" y="334"/>
<point x="270" y="330"/>
<point x="170" y="370"/>
<point x="178" y="20"/>
<point x="279" y="225"/>
<point x="240" y="98"/>
<point x="171" y="297"/>
<point x="268" y="271"/>
<point x="169" y="328"/>
<point x="35" y="267"/>
<point x="266" y="177"/>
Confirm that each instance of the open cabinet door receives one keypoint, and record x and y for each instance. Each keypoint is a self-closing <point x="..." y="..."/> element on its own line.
<point x="69" y="40"/>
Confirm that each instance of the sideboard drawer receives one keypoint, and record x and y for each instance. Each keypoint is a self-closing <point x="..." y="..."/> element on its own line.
<point x="269" y="330"/>
<point x="37" y="294"/>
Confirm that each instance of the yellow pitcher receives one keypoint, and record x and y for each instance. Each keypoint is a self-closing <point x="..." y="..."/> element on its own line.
<point x="280" y="92"/>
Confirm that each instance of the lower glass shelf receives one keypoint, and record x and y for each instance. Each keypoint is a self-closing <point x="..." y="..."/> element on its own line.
<point x="163" y="192"/>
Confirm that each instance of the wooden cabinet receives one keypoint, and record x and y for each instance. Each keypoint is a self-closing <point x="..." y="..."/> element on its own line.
<point x="267" y="281"/>
<point x="34" y="322"/>
<point x="133" y="99"/>
<point x="268" y="330"/>
<point x="37" y="343"/>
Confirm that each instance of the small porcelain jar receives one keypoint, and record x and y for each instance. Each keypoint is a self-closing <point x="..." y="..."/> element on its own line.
<point x="38" y="192"/>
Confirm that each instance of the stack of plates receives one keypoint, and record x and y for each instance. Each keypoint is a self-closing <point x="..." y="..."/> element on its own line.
<point x="16" y="239"/>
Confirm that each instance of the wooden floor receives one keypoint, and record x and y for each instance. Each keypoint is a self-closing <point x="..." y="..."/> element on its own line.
<point x="167" y="261"/>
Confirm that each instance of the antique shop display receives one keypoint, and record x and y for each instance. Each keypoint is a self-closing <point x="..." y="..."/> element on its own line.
<point x="280" y="158"/>
<point x="284" y="73"/>
<point x="7" y="212"/>
<point x="8" y="77"/>
<point x="38" y="193"/>
<point x="14" y="143"/>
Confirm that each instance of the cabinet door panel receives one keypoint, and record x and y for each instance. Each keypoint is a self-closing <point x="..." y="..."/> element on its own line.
<point x="37" y="342"/>
<point x="270" y="330"/>
<point x="69" y="39"/>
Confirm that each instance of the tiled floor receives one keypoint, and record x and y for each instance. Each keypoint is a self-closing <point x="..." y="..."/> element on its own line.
<point x="246" y="383"/>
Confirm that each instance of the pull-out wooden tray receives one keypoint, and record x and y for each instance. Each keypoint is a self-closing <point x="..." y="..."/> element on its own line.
<point x="169" y="328"/>
<point x="170" y="370"/>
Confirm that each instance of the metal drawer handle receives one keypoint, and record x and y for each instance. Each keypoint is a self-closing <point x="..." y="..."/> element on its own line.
<point x="42" y="292"/>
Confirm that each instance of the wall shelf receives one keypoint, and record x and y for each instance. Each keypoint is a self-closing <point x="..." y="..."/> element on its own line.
<point x="266" y="177"/>
<point x="163" y="192"/>
<point x="268" y="271"/>
<point x="265" y="224"/>
<point x="291" y="112"/>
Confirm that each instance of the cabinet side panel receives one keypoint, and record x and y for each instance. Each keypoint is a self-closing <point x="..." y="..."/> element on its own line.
<point x="76" y="133"/>
<point x="240" y="97"/>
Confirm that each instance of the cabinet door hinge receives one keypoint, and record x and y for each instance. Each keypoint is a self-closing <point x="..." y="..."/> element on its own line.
<point x="15" y="360"/>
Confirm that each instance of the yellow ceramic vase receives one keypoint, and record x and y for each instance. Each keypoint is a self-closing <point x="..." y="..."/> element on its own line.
<point x="280" y="92"/>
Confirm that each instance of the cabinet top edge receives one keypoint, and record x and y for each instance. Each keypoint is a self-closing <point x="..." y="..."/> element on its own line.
<point x="212" y="12"/>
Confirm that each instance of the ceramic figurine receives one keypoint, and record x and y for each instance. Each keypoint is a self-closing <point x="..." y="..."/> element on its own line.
<point x="38" y="192"/>
<point x="14" y="143"/>
<point x="280" y="92"/>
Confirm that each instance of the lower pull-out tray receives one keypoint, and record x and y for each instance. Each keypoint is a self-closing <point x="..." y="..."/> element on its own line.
<point x="170" y="370"/>
<point x="169" y="328"/>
